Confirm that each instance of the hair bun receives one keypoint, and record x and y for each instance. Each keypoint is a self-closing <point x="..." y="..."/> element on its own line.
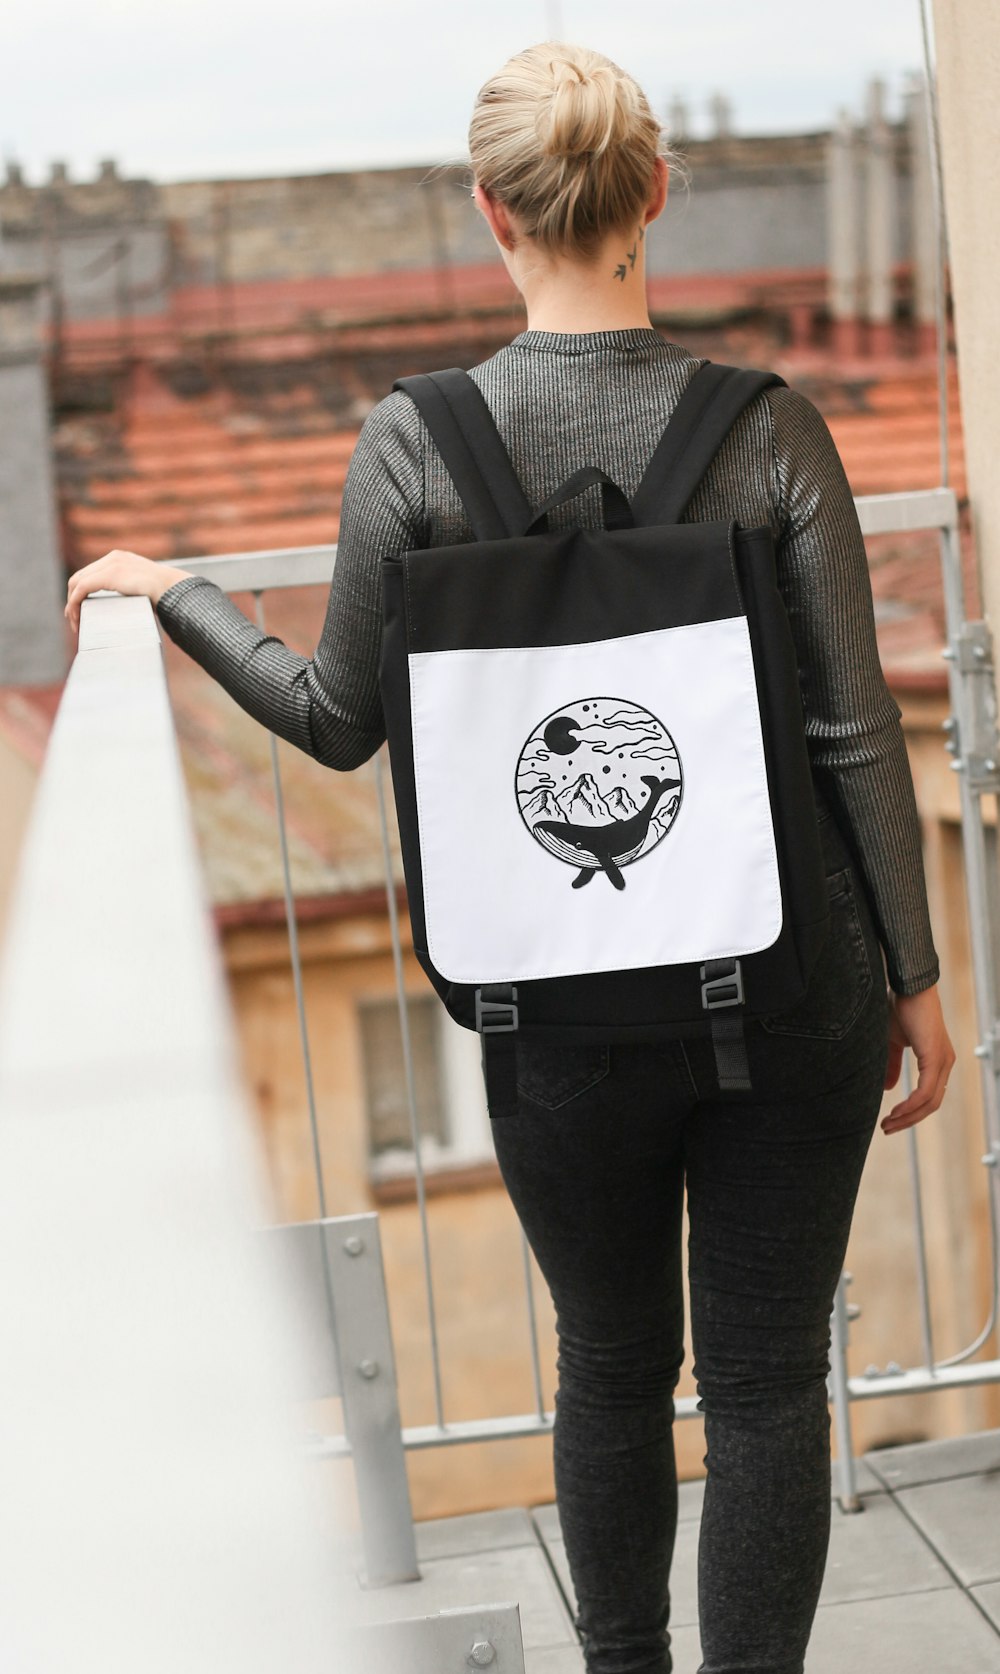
<point x="568" y="142"/>
<point x="581" y="117"/>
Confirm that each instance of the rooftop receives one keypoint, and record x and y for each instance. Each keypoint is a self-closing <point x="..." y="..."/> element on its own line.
<point x="912" y="1582"/>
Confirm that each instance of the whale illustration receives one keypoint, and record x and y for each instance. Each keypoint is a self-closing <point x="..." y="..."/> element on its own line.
<point x="612" y="842"/>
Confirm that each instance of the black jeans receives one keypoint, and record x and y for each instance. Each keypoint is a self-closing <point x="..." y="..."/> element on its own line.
<point x="596" y="1161"/>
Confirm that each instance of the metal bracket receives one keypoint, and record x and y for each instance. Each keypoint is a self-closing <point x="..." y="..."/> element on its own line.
<point x="971" y="650"/>
<point x="989" y="1048"/>
<point x="975" y="745"/>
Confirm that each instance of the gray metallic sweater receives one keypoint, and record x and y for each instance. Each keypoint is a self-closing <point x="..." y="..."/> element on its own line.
<point x="603" y="398"/>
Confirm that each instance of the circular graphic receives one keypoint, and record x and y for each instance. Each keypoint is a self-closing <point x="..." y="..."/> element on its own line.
<point x="599" y="784"/>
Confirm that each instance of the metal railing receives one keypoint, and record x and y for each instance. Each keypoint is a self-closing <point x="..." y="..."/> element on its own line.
<point x="156" y="1513"/>
<point x="970" y="666"/>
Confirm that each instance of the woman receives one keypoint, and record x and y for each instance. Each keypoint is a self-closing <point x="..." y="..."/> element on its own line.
<point x="569" y="172"/>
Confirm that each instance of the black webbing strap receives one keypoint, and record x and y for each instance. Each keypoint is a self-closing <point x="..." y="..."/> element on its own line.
<point x="473" y="451"/>
<point x="616" y="511"/>
<point x="722" y="998"/>
<point x="710" y="405"/>
<point x="496" y="1023"/>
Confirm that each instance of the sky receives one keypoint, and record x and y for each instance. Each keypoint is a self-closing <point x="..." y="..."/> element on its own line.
<point x="203" y="88"/>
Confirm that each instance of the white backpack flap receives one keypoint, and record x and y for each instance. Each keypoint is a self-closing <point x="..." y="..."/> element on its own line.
<point x="592" y="807"/>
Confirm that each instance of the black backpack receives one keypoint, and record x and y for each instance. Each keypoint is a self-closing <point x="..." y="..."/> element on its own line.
<point x="563" y="706"/>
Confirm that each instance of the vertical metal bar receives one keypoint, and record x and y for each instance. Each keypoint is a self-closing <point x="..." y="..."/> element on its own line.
<point x="846" y="1468"/>
<point x="980" y="860"/>
<point x="940" y="240"/>
<point x="411" y="1086"/>
<point x="536" y="1367"/>
<point x="293" y="941"/>
<point x="923" y="1281"/>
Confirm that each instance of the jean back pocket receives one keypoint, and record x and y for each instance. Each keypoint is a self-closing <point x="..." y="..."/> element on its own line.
<point x="552" y="1072"/>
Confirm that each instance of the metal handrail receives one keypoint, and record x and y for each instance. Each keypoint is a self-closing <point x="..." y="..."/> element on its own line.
<point x="149" y="1469"/>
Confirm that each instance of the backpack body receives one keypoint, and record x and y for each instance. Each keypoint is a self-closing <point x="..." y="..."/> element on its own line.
<point x="597" y="747"/>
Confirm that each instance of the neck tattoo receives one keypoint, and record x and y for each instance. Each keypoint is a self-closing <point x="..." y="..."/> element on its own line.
<point x="621" y="271"/>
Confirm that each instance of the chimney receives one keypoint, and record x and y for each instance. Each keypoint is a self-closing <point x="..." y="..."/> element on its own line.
<point x="15" y="173"/>
<point x="922" y="237"/>
<point x="678" y="118"/>
<point x="107" y="169"/>
<point x="59" y="174"/>
<point x="880" y="222"/>
<point x="843" y="252"/>
<point x="721" y="112"/>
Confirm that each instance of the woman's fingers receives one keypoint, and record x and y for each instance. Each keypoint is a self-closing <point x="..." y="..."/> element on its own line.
<point x="923" y="1101"/>
<point x="917" y="1020"/>
<point x="117" y="572"/>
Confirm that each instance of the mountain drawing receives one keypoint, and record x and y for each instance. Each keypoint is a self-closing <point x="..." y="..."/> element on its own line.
<point x="592" y="743"/>
<point x="620" y="803"/>
<point x="583" y="803"/>
<point x="542" y="806"/>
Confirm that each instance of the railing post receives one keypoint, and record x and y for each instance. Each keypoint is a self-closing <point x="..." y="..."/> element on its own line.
<point x="368" y="1390"/>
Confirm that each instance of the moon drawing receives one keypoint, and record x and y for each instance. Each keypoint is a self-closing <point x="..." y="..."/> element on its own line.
<point x="599" y="784"/>
<point x="559" y="736"/>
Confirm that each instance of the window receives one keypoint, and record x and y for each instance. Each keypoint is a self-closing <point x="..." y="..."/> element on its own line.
<point x="452" y="1118"/>
<point x="385" y="1077"/>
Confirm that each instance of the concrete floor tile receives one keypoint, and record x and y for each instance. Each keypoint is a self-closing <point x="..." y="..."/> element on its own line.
<point x="556" y="1549"/>
<point x="916" y="1633"/>
<point x="685" y="1649"/>
<point x="684" y="1576"/>
<point x="961" y="1519"/>
<point x="520" y="1574"/>
<point x="866" y="1480"/>
<point x="988" y="1599"/>
<point x="876" y="1552"/>
<point x="560" y="1659"/>
<point x="690" y="1498"/>
<point x="936" y="1461"/>
<point x="478" y="1531"/>
<point x="546" y="1521"/>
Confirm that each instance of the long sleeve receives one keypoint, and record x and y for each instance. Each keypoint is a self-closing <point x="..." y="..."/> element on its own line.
<point x="327" y="705"/>
<point x="855" y="739"/>
<point x="562" y="400"/>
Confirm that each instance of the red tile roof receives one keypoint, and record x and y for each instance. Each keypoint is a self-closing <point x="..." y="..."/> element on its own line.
<point x="176" y="475"/>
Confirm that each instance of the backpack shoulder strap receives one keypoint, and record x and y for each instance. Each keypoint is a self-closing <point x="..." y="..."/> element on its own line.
<point x="712" y="402"/>
<point x="466" y="436"/>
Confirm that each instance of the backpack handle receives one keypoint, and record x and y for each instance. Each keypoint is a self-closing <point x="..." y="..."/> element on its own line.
<point x="616" y="510"/>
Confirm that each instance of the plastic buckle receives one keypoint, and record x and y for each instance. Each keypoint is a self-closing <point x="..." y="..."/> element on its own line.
<point x="724" y="987"/>
<point x="496" y="1017"/>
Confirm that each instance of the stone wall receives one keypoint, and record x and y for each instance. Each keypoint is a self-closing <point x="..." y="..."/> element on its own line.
<point x="112" y="244"/>
<point x="33" y="648"/>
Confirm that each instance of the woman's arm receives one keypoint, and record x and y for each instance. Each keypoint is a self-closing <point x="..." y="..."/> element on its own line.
<point x="328" y="705"/>
<point x="854" y="733"/>
<point x="852" y="720"/>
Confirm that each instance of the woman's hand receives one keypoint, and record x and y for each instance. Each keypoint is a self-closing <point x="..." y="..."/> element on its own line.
<point x="916" y="1020"/>
<point x="121" y="572"/>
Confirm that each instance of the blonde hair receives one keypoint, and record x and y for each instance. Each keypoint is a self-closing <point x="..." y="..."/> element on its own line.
<point x="567" y="141"/>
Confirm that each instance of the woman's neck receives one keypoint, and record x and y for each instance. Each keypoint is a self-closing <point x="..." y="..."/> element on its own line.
<point x="607" y="293"/>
